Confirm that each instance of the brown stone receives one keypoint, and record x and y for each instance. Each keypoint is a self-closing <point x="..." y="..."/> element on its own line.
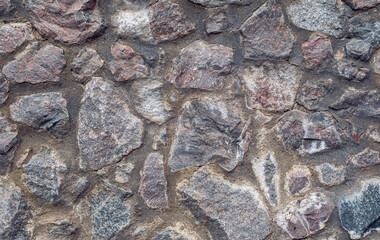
<point x="13" y="35"/>
<point x="5" y="6"/>
<point x="366" y="158"/>
<point x="298" y="180"/>
<point x="316" y="50"/>
<point x="360" y="4"/>
<point x="86" y="63"/>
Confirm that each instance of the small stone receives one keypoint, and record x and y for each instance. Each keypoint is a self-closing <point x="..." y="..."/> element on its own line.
<point x="331" y="175"/>
<point x="153" y="182"/>
<point x="209" y="130"/>
<point x="326" y="16"/>
<point x="349" y="70"/>
<point x="266" y="171"/>
<point x="4" y="89"/>
<point x="9" y="142"/>
<point x="159" y="139"/>
<point x="150" y="102"/>
<point x="297" y="180"/>
<point x="373" y="133"/>
<point x="46" y="111"/>
<point x="123" y="172"/>
<point x="80" y="185"/>
<point x="177" y="232"/>
<point x="376" y="63"/>
<point x="127" y="64"/>
<point x="107" y="130"/>
<point x="44" y="175"/>
<point x="23" y="157"/>
<point x="305" y="217"/>
<point x="220" y="3"/>
<point x="359" y="212"/>
<point x="360" y="4"/>
<point x="73" y="21"/>
<point x="201" y="65"/>
<point x="261" y="118"/>
<point x="86" y="63"/>
<point x="265" y="34"/>
<point x="216" y="23"/>
<point x="366" y="158"/>
<point x="312" y="94"/>
<point x="317" y="50"/>
<point x="270" y="87"/>
<point x="5" y="6"/>
<point x="62" y="230"/>
<point x="242" y="216"/>
<point x="359" y="49"/>
<point x="38" y="63"/>
<point x="13" y="35"/>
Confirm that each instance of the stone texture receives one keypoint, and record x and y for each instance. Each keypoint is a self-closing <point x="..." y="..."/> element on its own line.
<point x="153" y="182"/>
<point x="177" y="232"/>
<point x="304" y="217"/>
<point x="209" y="130"/>
<point x="73" y="21"/>
<point x="317" y="50"/>
<point x="107" y="130"/>
<point x="243" y="216"/>
<point x="297" y="180"/>
<point x="38" y="63"/>
<point x="216" y="23"/>
<point x="313" y="94"/>
<point x="45" y="111"/>
<point x="359" y="212"/>
<point x="127" y="64"/>
<point x="5" y="6"/>
<point x="123" y="172"/>
<point x="261" y="118"/>
<point x="366" y="158"/>
<point x="350" y="70"/>
<point x="376" y="63"/>
<point x="331" y="175"/>
<point x="62" y="230"/>
<point x="271" y="87"/>
<point x="85" y="64"/>
<point x="265" y="34"/>
<point x="9" y="142"/>
<point x="219" y="3"/>
<point x="13" y="35"/>
<point x="326" y="16"/>
<point x="308" y="133"/>
<point x="201" y="65"/>
<point x="360" y="4"/>
<point x="4" y="89"/>
<point x="373" y="133"/>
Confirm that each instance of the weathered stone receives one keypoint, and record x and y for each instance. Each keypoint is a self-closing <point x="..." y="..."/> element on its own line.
<point x="46" y="111"/>
<point x="4" y="89"/>
<point x="308" y="133"/>
<point x="326" y="16"/>
<point x="62" y="230"/>
<point x="70" y="22"/>
<point x="373" y="133"/>
<point x="159" y="139"/>
<point x="219" y="3"/>
<point x="127" y="64"/>
<point x="9" y="142"/>
<point x="304" y="217"/>
<point x="107" y="130"/>
<point x="376" y="63"/>
<point x="366" y="158"/>
<point x="209" y="130"/>
<point x="266" y="171"/>
<point x="216" y="23"/>
<point x="86" y="63"/>
<point x="14" y="212"/>
<point x="359" y="212"/>
<point x="242" y="216"/>
<point x="13" y="35"/>
<point x="270" y="87"/>
<point x="201" y="65"/>
<point x="312" y="94"/>
<point x="331" y="175"/>
<point x="317" y="50"/>
<point x="153" y="182"/>
<point x="38" y="63"/>
<point x="297" y="180"/>
<point x="349" y="70"/>
<point x="123" y="172"/>
<point x="261" y="118"/>
<point x="360" y="4"/>
<point x="177" y="232"/>
<point x="150" y="102"/>
<point x="5" y="6"/>
<point x="265" y="34"/>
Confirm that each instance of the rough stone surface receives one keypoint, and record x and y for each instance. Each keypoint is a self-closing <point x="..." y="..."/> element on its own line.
<point x="177" y="232"/>
<point x="38" y="63"/>
<point x="349" y="70"/>
<point x="313" y="94"/>
<point x="297" y="180"/>
<point x="366" y="158"/>
<point x="123" y="172"/>
<point x="107" y="130"/>
<point x="5" y="6"/>
<point x="4" y="89"/>
<point x="216" y="23"/>
<point x="201" y="65"/>
<point x="304" y="217"/>
<point x="265" y="34"/>
<point x="359" y="212"/>
<point x="270" y="87"/>
<point x="13" y="35"/>
<point x="209" y="130"/>
<point x="62" y="230"/>
<point x="373" y="133"/>
<point x="219" y="3"/>
<point x="9" y="142"/>
<point x="360" y="4"/>
<point x="316" y="50"/>
<point x="331" y="175"/>
<point x="376" y="63"/>
<point x="86" y="63"/>
<point x="243" y="216"/>
<point x="45" y="111"/>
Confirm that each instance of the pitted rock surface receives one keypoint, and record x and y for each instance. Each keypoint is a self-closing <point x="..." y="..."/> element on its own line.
<point x="9" y="142"/>
<point x="13" y="35"/>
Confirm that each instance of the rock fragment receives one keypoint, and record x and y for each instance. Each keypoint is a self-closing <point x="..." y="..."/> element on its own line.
<point x="297" y="180"/>
<point x="317" y="50"/>
<point x="376" y="63"/>
<point x="350" y="70"/>
<point x="243" y="216"/>
<point x="107" y="130"/>
<point x="9" y="142"/>
<point x="62" y="230"/>
<point x="360" y="4"/>
<point x="373" y="133"/>
<point x="38" y="63"/>
<point x="219" y="3"/>
<point x="177" y="232"/>
<point x="13" y="35"/>
<point x="331" y="175"/>
<point x="86" y="63"/>
<point x="366" y="158"/>
<point x="5" y="6"/>
<point x="216" y="23"/>
<point x="4" y="89"/>
<point x="123" y="172"/>
<point x="312" y="94"/>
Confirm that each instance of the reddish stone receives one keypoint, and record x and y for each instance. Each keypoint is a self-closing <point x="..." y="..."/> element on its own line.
<point x="359" y="4"/>
<point x="366" y="158"/>
<point x="86" y="63"/>
<point x="5" y="6"/>
<point x="13" y="35"/>
<point x="297" y="180"/>
<point x="316" y="50"/>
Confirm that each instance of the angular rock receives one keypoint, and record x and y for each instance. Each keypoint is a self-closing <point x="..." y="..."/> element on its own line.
<point x="107" y="130"/>
<point x="266" y="171"/>
<point x="317" y="50"/>
<point x="4" y="89"/>
<point x="373" y="133"/>
<point x="62" y="230"/>
<point x="312" y="94"/>
<point x="86" y="63"/>
<point x="376" y="63"/>
<point x="219" y="3"/>
<point x="38" y="63"/>
<point x="360" y="4"/>
<point x="201" y="65"/>
<point x="5" y="6"/>
<point x="153" y="182"/>
<point x="309" y="133"/>
<point x="366" y="158"/>
<point x="216" y="23"/>
<point x="123" y="172"/>
<point x="304" y="217"/>
<point x="127" y="64"/>
<point x="46" y="111"/>
<point x="270" y="87"/>
<point x="297" y="180"/>
<point x="349" y="70"/>
<point x="326" y="16"/>
<point x="261" y="118"/>
<point x="13" y="35"/>
<point x="209" y="130"/>
<point x="359" y="212"/>
<point x="265" y="34"/>
<point x="73" y="21"/>
<point x="159" y="139"/>
<point x="9" y="142"/>
<point x="331" y="175"/>
<point x="177" y="232"/>
<point x="150" y="102"/>
<point x="243" y="216"/>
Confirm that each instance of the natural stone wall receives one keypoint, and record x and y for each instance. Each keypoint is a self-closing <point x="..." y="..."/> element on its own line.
<point x="189" y="119"/>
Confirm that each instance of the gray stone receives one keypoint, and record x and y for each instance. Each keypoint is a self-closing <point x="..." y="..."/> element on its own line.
<point x="373" y="133"/>
<point x="46" y="111"/>
<point x="331" y="175"/>
<point x="13" y="35"/>
<point x="350" y="70"/>
<point x="360" y="4"/>
<point x="297" y="180"/>
<point x="317" y="50"/>
<point x="160" y="139"/>
<point x="209" y="130"/>
<point x="62" y="230"/>
<point x="376" y="63"/>
<point x="5" y="7"/>
<point x="216" y="23"/>
<point x="229" y="210"/>
<point x="261" y="118"/>
<point x="9" y="142"/>
<point x="86" y="63"/>
<point x="366" y="158"/>
<point x="4" y="89"/>
<point x="219" y="3"/>
<point x="123" y="172"/>
<point x="177" y="232"/>
<point x="313" y="94"/>
<point x="107" y="130"/>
